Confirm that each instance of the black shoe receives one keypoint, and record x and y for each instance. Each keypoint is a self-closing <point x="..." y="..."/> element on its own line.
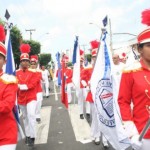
<point x="81" y="116"/>
<point x="47" y="96"/>
<point x="31" y="142"/>
<point x="88" y="117"/>
<point x="27" y="140"/>
<point x="38" y="120"/>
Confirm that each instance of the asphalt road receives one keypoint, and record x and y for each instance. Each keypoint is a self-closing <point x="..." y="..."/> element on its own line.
<point x="56" y="130"/>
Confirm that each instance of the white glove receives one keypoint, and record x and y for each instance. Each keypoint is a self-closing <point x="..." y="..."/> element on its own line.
<point x="136" y="144"/>
<point x="130" y="128"/>
<point x="66" y="77"/>
<point x="83" y="83"/>
<point x="23" y="87"/>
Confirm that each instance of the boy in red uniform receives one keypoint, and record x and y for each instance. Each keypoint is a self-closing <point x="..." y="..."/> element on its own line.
<point x="8" y="85"/>
<point x="134" y="88"/>
<point x="33" y="65"/>
<point x="27" y="81"/>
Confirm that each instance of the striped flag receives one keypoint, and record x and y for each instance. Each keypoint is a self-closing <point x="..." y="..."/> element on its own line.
<point x="76" y="65"/>
<point x="102" y="91"/>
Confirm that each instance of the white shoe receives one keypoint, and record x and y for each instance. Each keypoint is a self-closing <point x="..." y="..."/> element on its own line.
<point x="97" y="141"/>
<point x="105" y="144"/>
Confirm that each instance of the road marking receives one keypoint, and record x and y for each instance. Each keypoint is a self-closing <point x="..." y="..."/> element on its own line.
<point x="81" y="127"/>
<point x="43" y="128"/>
<point x="56" y="96"/>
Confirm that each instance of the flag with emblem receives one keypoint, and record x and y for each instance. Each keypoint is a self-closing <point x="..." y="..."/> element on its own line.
<point x="102" y="91"/>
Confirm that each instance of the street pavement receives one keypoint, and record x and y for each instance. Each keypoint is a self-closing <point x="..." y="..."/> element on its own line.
<point x="61" y="129"/>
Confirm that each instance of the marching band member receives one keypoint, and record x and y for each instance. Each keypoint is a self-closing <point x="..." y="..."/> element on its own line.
<point x="82" y="93"/>
<point x="9" y="87"/>
<point x="27" y="82"/>
<point x="134" y="88"/>
<point x="86" y="76"/>
<point x="33" y="65"/>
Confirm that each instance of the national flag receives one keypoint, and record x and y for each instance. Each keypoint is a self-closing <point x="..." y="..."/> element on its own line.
<point x="64" y="98"/>
<point x="10" y="69"/>
<point x="102" y="91"/>
<point x="105" y="21"/>
<point x="59" y="68"/>
<point x="76" y="66"/>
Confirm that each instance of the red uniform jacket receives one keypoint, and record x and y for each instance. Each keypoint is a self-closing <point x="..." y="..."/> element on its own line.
<point x="86" y="76"/>
<point x="68" y="73"/>
<point x="29" y="78"/>
<point x="8" y="125"/>
<point x="134" y="83"/>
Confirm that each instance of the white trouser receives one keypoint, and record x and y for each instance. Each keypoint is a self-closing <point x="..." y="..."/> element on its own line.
<point x="95" y="130"/>
<point x="38" y="104"/>
<point x="81" y="95"/>
<point x="8" y="147"/>
<point x="28" y="113"/>
<point x="146" y="144"/>
<point x="69" y="86"/>
<point x="45" y="87"/>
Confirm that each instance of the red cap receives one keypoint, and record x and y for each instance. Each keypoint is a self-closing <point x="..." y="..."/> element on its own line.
<point x="34" y="58"/>
<point x="25" y="49"/>
<point x="94" y="46"/>
<point x="144" y="36"/>
<point x="2" y="38"/>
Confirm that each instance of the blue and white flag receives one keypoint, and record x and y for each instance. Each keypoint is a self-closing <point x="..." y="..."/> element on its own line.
<point x="102" y="91"/>
<point x="10" y="69"/>
<point x="59" y="68"/>
<point x="76" y="64"/>
<point x="10" y="65"/>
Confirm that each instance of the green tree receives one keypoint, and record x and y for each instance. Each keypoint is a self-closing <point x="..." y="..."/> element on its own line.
<point x="16" y="38"/>
<point x="35" y="46"/>
<point x="45" y="58"/>
<point x="88" y="56"/>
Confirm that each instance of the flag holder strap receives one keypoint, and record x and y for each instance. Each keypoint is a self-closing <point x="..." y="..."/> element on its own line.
<point x="146" y="127"/>
<point x="144" y="130"/>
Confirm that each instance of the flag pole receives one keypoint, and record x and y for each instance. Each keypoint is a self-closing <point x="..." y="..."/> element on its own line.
<point x="110" y="30"/>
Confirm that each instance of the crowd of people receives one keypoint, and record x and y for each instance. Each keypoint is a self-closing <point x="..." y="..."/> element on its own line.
<point x="133" y="90"/>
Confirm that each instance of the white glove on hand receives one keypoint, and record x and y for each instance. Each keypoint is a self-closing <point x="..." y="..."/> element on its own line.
<point x="136" y="144"/>
<point x="23" y="87"/>
<point x="130" y="128"/>
<point x="83" y="83"/>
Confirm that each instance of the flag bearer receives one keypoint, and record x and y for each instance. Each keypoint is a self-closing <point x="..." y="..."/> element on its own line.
<point x="135" y="88"/>
<point x="86" y="76"/>
<point x="8" y="85"/>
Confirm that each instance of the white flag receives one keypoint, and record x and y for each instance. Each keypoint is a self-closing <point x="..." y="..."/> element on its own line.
<point x="102" y="91"/>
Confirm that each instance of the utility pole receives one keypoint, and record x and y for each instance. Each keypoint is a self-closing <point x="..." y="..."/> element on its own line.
<point x="30" y="30"/>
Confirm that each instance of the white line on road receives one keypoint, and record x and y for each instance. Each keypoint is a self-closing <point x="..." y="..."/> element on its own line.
<point x="55" y="92"/>
<point x="43" y="127"/>
<point x="81" y="127"/>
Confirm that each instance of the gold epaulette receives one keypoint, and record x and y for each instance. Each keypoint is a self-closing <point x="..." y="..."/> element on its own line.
<point x="32" y="70"/>
<point x="134" y="67"/>
<point x="8" y="79"/>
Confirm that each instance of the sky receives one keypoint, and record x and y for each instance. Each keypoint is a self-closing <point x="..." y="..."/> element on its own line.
<point x="57" y="22"/>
